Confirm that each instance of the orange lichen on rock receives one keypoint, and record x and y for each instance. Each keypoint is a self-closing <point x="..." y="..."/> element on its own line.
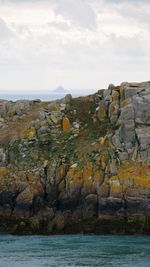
<point x="101" y="140"/>
<point x="74" y="180"/>
<point x="66" y="125"/>
<point x="112" y="108"/>
<point x="136" y="177"/>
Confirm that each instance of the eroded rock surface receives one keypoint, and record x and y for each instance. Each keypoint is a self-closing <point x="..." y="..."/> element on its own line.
<point x="77" y="164"/>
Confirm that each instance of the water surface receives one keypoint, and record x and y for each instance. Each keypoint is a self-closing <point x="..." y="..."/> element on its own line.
<point x="43" y="97"/>
<point x="65" y="251"/>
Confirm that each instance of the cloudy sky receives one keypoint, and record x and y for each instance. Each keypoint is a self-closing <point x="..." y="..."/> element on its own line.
<point x="79" y="44"/>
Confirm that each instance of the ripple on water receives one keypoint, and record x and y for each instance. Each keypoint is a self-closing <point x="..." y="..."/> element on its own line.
<point x="74" y="251"/>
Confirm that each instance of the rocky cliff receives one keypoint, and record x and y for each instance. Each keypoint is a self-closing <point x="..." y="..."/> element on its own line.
<point x="77" y="165"/>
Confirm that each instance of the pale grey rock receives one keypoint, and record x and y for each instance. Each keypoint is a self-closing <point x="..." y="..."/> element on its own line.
<point x="131" y="91"/>
<point x="127" y="134"/>
<point x="62" y="107"/>
<point x="42" y="114"/>
<point x="116" y="139"/>
<point x="123" y="156"/>
<point x="133" y="135"/>
<point x="76" y="125"/>
<point x="113" y="166"/>
<point x="2" y="156"/>
<point x="67" y="99"/>
<point x="43" y="130"/>
<point x="143" y="136"/>
<point x="111" y="87"/>
<point x="107" y="94"/>
<point x="3" y="108"/>
<point x="127" y="113"/>
<point x="141" y="107"/>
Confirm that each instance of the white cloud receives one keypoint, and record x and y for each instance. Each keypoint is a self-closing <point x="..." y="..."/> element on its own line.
<point x="79" y="44"/>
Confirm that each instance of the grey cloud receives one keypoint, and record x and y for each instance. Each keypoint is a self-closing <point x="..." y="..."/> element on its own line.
<point x="129" y="9"/>
<point x="18" y="1"/>
<point x="5" y="32"/>
<point x="79" y="12"/>
<point x="137" y="14"/>
<point x="127" y="1"/>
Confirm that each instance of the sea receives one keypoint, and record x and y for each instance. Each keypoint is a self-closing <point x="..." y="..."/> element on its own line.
<point x="43" y="97"/>
<point x="74" y="251"/>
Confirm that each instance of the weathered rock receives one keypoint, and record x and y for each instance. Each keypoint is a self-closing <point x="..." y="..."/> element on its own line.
<point x="77" y="165"/>
<point x="66" y="125"/>
<point x="67" y="99"/>
<point x="102" y="111"/>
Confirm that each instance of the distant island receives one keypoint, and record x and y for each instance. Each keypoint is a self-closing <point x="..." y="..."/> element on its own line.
<point x="60" y="90"/>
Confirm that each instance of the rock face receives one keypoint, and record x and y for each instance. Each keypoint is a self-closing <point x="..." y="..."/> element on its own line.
<point x="78" y="165"/>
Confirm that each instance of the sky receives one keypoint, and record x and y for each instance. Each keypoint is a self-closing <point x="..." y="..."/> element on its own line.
<point x="79" y="44"/>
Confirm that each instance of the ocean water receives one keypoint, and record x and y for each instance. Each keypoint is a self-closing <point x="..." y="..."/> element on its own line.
<point x="43" y="97"/>
<point x="73" y="251"/>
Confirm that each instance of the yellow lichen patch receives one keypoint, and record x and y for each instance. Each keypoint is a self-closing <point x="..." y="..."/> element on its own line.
<point x="71" y="173"/>
<point x="89" y="185"/>
<point x="66" y="125"/>
<point x="34" y="183"/>
<point x="78" y="178"/>
<point x="1" y="120"/>
<point x="30" y="177"/>
<point x="124" y="103"/>
<point x="121" y="93"/>
<point x="62" y="170"/>
<point x="141" y="171"/>
<point x="101" y="141"/>
<point x="130" y="178"/>
<point x="115" y="186"/>
<point x="3" y="172"/>
<point x="28" y="133"/>
<point x="3" y="175"/>
<point x="87" y="171"/>
<point x="115" y="96"/>
<point x="102" y="111"/>
<point x="98" y="176"/>
<point x="112" y="108"/>
<point x="142" y="181"/>
<point x="74" y="179"/>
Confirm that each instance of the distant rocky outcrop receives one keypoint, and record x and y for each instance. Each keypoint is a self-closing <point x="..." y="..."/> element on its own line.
<point x="60" y="90"/>
<point x="77" y="165"/>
